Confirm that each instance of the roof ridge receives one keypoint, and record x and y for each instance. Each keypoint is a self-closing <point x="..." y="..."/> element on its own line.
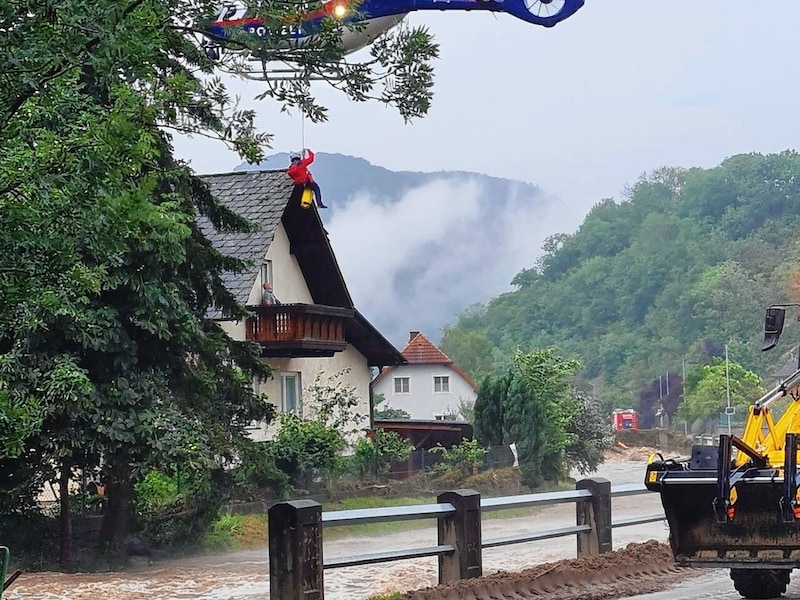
<point x="248" y="172"/>
<point x="420" y="350"/>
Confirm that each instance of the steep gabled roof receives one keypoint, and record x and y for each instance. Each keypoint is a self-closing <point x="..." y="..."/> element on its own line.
<point x="421" y="351"/>
<point x="260" y="197"/>
<point x="267" y="198"/>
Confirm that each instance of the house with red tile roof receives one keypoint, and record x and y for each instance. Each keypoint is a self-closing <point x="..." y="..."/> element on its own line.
<point x="429" y="386"/>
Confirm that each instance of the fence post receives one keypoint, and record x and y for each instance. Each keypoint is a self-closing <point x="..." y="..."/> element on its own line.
<point x="595" y="512"/>
<point x="295" y="550"/>
<point x="462" y="531"/>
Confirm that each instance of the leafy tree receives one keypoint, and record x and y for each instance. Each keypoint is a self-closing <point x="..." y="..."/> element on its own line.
<point x="388" y="412"/>
<point x="470" y="350"/>
<point x="334" y="403"/>
<point x="489" y="416"/>
<point x="105" y="274"/>
<point x="306" y="448"/>
<point x="537" y="410"/>
<point x="706" y="392"/>
<point x="684" y="263"/>
<point x="589" y="434"/>
<point x="535" y="407"/>
<point x="17" y="423"/>
<point x="257" y="469"/>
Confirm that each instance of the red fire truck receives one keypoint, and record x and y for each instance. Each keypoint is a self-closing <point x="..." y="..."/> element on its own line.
<point x="624" y="419"/>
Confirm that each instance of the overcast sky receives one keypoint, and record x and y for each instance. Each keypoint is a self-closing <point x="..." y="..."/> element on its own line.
<point x="581" y="110"/>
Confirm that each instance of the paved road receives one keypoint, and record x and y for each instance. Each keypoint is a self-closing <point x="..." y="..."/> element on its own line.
<point x="715" y="585"/>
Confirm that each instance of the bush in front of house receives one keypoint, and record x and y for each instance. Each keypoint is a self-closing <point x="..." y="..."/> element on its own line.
<point x="375" y="455"/>
<point x="464" y="458"/>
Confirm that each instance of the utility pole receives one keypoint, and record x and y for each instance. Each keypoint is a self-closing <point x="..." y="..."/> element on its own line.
<point x="728" y="389"/>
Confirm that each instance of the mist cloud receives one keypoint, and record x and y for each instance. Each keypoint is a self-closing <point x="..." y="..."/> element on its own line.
<point x="417" y="262"/>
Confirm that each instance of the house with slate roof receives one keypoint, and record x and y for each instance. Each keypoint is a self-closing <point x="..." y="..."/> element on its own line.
<point x="429" y="386"/>
<point x="315" y="328"/>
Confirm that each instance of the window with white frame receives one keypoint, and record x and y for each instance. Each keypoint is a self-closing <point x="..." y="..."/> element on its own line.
<point x="290" y="393"/>
<point x="441" y="384"/>
<point x="401" y="385"/>
<point x="266" y="273"/>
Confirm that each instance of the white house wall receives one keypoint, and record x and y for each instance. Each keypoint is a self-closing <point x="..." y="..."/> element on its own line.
<point x="359" y="378"/>
<point x="288" y="283"/>
<point x="236" y="330"/>
<point x="421" y="401"/>
<point x="290" y="287"/>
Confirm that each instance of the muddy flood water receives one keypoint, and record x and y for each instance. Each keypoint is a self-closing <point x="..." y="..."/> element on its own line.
<point x="244" y="575"/>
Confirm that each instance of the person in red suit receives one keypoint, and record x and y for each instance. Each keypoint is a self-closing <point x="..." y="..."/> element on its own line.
<point x="298" y="171"/>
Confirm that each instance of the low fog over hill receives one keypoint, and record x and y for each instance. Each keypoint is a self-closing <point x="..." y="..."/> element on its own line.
<point x="417" y="248"/>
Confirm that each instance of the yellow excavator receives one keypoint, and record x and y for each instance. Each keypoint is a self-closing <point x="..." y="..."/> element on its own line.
<point x="737" y="505"/>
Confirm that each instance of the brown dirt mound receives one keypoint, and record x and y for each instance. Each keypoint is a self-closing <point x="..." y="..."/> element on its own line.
<point x="636" y="569"/>
<point x="619" y="452"/>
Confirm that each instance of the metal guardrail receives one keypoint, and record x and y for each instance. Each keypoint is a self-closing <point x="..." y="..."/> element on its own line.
<point x="296" y="561"/>
<point x="436" y="511"/>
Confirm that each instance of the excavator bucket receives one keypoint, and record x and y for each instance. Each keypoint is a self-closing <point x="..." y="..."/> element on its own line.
<point x="724" y="515"/>
<point x="738" y="505"/>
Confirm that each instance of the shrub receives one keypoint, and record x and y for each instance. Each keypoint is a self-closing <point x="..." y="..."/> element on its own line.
<point x="175" y="510"/>
<point x="304" y="449"/>
<point x="257" y="469"/>
<point x="463" y="458"/>
<point x="223" y="531"/>
<point x="156" y="491"/>
<point x="377" y="454"/>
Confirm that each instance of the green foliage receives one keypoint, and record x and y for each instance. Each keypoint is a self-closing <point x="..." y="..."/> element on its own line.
<point x="304" y="449"/>
<point x="534" y="407"/>
<point x="377" y="453"/>
<point x="156" y="491"/>
<point x="706" y="391"/>
<point x="470" y="350"/>
<point x="257" y="469"/>
<point x="589" y="434"/>
<point x="334" y="403"/>
<point x="466" y="408"/>
<point x="106" y="275"/>
<point x="222" y="532"/>
<point x="18" y="421"/>
<point x="21" y="480"/>
<point x="537" y="411"/>
<point x="489" y="418"/>
<point x="685" y="263"/>
<point x="390" y="596"/>
<point x="174" y="509"/>
<point x="462" y="458"/>
<point x="387" y="412"/>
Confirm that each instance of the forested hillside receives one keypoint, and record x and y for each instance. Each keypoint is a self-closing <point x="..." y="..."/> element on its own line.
<point x="684" y="265"/>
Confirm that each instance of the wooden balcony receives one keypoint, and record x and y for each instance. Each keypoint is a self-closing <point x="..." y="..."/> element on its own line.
<point x="298" y="330"/>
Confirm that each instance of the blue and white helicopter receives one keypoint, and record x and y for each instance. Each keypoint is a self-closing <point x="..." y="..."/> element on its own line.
<point x="376" y="16"/>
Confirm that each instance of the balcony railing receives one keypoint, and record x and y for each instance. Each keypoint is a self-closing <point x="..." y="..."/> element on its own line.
<point x="287" y="330"/>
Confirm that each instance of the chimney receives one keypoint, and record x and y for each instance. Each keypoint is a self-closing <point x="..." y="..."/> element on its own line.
<point x="412" y="335"/>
